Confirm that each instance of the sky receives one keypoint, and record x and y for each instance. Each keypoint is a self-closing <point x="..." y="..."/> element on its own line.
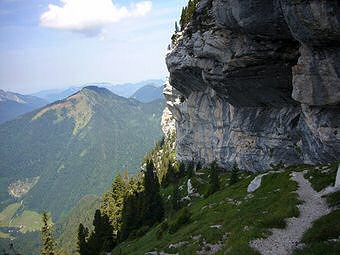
<point x="48" y="44"/>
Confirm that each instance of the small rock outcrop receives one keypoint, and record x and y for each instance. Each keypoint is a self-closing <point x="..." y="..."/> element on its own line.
<point x="337" y="180"/>
<point x="257" y="83"/>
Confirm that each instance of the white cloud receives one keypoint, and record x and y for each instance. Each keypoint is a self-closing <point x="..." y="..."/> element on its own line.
<point x="90" y="16"/>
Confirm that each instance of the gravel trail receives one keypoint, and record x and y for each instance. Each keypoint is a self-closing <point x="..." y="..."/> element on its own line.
<point x="284" y="241"/>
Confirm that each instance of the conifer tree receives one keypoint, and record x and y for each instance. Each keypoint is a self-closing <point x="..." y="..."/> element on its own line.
<point x="106" y="237"/>
<point x="182" y="20"/>
<point x="142" y="208"/>
<point x="170" y="176"/>
<point x="190" y="169"/>
<point x="214" y="182"/>
<point x="48" y="243"/>
<point x="153" y="210"/>
<point x="101" y="238"/>
<point x="131" y="215"/>
<point x="234" y="175"/>
<point x="187" y="13"/>
<point x="82" y="245"/>
<point x="119" y="190"/>
<point x="175" y="199"/>
<point x="113" y="201"/>
<point x="181" y="168"/>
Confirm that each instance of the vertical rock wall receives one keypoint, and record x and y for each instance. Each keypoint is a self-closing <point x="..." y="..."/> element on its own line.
<point x="257" y="82"/>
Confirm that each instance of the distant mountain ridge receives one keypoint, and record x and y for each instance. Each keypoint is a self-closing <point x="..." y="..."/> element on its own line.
<point x="56" y="94"/>
<point x="13" y="105"/>
<point x="148" y="94"/>
<point x="125" y="90"/>
<point x="128" y="89"/>
<point x="76" y="146"/>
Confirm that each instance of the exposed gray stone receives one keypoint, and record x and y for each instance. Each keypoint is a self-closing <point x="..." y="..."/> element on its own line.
<point x="168" y="122"/>
<point x="191" y="190"/>
<point x="256" y="183"/>
<point x="337" y="181"/>
<point x="241" y="91"/>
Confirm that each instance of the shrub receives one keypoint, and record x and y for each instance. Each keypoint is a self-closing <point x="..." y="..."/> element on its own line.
<point x="142" y="231"/>
<point x="214" y="182"/>
<point x="234" y="175"/>
<point x="163" y="227"/>
<point x="190" y="169"/>
<point x="175" y="199"/>
<point x="182" y="219"/>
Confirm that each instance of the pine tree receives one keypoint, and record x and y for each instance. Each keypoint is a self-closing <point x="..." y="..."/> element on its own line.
<point x="153" y="210"/>
<point x="175" y="199"/>
<point x="234" y="175"/>
<point x="142" y="208"/>
<point x="82" y="235"/>
<point x="101" y="238"/>
<point x="181" y="169"/>
<point x="119" y="190"/>
<point x="107" y="239"/>
<point x="176" y="27"/>
<point x="187" y="13"/>
<point x="131" y="215"/>
<point x="48" y="243"/>
<point x="190" y="169"/>
<point x="94" y="241"/>
<point x="113" y="201"/>
<point x="214" y="182"/>
<point x="182" y="20"/>
<point x="170" y="176"/>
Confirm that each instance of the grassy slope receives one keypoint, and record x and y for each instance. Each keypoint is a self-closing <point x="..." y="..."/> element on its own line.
<point x="15" y="215"/>
<point x="29" y="220"/>
<point x="243" y="217"/>
<point x="324" y="236"/>
<point x="7" y="214"/>
<point x="29" y="223"/>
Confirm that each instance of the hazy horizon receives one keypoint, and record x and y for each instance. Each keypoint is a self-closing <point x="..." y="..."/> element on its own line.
<point x="61" y="88"/>
<point x="53" y="44"/>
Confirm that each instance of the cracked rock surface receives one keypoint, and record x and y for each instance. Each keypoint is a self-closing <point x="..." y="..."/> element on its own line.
<point x="257" y="83"/>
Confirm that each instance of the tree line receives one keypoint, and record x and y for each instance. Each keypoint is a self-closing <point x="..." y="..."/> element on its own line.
<point x="128" y="210"/>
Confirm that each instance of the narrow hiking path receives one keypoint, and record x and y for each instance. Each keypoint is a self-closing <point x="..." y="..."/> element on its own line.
<point x="284" y="241"/>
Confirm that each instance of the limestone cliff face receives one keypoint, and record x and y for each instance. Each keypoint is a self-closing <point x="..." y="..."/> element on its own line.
<point x="257" y="82"/>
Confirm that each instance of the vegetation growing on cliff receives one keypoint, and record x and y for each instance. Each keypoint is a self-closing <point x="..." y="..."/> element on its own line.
<point x="187" y="13"/>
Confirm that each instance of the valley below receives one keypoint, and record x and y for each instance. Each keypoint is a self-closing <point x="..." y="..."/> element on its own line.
<point x="237" y="152"/>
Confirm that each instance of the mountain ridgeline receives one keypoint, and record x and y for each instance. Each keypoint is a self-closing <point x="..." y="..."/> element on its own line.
<point x="125" y="90"/>
<point x="74" y="147"/>
<point x="13" y="105"/>
<point x="148" y="94"/>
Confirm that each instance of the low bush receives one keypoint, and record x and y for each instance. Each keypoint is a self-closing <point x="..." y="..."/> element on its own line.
<point x="182" y="219"/>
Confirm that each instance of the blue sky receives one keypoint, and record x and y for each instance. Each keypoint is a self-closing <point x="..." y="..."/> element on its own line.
<point x="48" y="44"/>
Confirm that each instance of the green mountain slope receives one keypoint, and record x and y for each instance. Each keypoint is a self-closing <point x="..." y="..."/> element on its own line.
<point x="13" y="105"/>
<point x="148" y="93"/>
<point x="74" y="147"/>
<point x="68" y="226"/>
